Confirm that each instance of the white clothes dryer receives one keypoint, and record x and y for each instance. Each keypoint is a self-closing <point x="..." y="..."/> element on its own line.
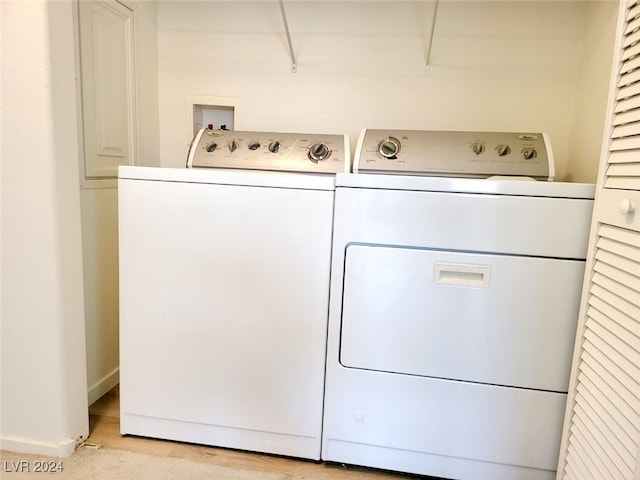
<point x="453" y="308"/>
<point x="224" y="284"/>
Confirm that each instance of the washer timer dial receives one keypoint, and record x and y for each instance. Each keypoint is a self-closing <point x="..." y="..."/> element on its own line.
<point x="318" y="152"/>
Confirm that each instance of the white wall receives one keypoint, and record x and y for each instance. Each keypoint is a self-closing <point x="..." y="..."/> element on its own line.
<point x="494" y="66"/>
<point x="43" y="397"/>
<point x="593" y="80"/>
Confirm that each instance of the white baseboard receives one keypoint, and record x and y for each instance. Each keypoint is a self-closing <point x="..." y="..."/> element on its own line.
<point x="26" y="445"/>
<point x="102" y="386"/>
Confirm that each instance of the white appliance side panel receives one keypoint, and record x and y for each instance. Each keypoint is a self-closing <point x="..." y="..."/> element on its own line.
<point x="224" y="298"/>
<point x="495" y="319"/>
<point x="539" y="226"/>
<point x="441" y="428"/>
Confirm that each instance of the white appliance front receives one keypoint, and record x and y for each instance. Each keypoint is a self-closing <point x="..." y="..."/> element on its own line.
<point x="457" y="315"/>
<point x="453" y="308"/>
<point x="224" y="280"/>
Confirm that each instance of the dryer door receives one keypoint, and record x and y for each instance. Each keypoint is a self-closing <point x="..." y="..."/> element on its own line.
<point x="462" y="316"/>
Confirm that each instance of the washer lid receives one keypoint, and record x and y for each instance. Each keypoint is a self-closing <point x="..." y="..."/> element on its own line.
<point x="229" y="177"/>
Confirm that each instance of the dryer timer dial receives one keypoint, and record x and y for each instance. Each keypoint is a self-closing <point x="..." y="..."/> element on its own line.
<point x="529" y="153"/>
<point x="389" y="147"/>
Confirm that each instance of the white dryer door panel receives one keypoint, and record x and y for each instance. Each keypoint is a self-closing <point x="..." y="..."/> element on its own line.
<point x="462" y="316"/>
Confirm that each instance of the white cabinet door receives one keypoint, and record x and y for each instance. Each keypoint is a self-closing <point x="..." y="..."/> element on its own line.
<point x="601" y="435"/>
<point x="106" y="55"/>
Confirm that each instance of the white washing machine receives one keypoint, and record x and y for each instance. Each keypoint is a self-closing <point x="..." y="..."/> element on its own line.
<point x="453" y="306"/>
<point x="224" y="284"/>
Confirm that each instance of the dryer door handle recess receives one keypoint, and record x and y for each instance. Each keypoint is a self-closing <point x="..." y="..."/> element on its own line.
<point x="462" y="275"/>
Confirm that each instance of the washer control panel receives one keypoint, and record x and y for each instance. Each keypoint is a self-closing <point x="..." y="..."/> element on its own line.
<point x="288" y="152"/>
<point x="454" y="154"/>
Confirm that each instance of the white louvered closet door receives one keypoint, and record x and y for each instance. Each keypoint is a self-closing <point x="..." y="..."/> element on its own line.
<point x="601" y="437"/>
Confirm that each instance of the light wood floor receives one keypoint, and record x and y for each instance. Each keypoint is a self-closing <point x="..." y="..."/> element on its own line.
<point x="104" y="430"/>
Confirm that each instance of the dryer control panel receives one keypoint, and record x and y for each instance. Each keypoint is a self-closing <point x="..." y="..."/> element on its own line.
<point x="289" y="152"/>
<point x="454" y="154"/>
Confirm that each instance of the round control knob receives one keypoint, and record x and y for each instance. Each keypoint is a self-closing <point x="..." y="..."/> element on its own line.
<point x="503" y="150"/>
<point x="477" y="148"/>
<point x="318" y="152"/>
<point x="389" y="147"/>
<point x="233" y="146"/>
<point x="627" y="207"/>
<point x="212" y="147"/>
<point x="274" y="146"/>
<point x="254" y="145"/>
<point x="529" y="153"/>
